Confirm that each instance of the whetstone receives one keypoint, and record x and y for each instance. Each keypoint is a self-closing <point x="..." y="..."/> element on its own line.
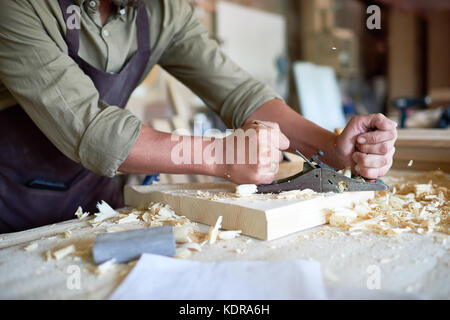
<point x="259" y="218"/>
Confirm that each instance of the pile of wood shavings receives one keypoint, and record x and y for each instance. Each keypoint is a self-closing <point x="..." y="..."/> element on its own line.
<point x="415" y="204"/>
<point x="186" y="233"/>
<point x="187" y="236"/>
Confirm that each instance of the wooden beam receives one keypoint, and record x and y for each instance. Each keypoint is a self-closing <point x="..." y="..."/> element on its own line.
<point x="258" y="216"/>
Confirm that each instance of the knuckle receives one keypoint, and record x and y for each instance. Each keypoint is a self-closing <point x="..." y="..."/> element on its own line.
<point x="384" y="148"/>
<point x="363" y="159"/>
<point x="275" y="125"/>
<point x="372" y="138"/>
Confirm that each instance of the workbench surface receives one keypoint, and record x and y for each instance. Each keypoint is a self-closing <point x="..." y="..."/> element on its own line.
<point x="409" y="263"/>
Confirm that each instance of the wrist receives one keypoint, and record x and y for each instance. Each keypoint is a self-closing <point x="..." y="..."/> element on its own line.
<point x="333" y="156"/>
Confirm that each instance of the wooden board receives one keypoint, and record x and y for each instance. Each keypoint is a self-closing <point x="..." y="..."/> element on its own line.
<point x="258" y="217"/>
<point x="428" y="148"/>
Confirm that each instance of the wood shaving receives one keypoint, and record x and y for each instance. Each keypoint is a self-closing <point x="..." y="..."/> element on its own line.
<point x="64" y="252"/>
<point x="80" y="214"/>
<point x="410" y="163"/>
<point x="128" y="218"/>
<point x="342" y="186"/>
<point x="192" y="246"/>
<point x="416" y="204"/>
<point x="244" y="190"/>
<point x="214" y="231"/>
<point x="182" y="253"/>
<point x="31" y="247"/>
<point x="116" y="229"/>
<point x="105" y="212"/>
<point x="67" y="234"/>
<point x="105" y="267"/>
<point x="346" y="172"/>
<point x="228" y="235"/>
<point x="239" y="251"/>
<point x="203" y="194"/>
<point x="295" y="194"/>
<point x="182" y="233"/>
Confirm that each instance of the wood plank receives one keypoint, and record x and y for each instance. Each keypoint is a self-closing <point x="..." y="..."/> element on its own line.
<point x="259" y="216"/>
<point x="428" y="148"/>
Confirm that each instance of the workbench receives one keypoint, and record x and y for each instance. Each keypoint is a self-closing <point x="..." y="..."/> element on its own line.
<point x="409" y="263"/>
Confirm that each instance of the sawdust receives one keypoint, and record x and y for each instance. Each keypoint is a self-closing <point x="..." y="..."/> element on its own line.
<point x="415" y="204"/>
<point x="247" y="192"/>
<point x="342" y="186"/>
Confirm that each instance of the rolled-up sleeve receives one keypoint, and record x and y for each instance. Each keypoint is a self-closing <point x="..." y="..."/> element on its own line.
<point x="60" y="99"/>
<point x="197" y="61"/>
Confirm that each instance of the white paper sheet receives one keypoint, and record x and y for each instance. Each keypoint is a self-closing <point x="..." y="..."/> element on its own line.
<point x="157" y="277"/>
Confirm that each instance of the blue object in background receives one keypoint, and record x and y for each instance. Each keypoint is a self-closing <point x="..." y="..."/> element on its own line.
<point x="150" y="179"/>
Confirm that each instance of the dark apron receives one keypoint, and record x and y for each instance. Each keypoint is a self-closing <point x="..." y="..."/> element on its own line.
<point x="38" y="184"/>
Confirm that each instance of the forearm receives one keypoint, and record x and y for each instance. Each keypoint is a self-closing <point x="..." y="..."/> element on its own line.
<point x="304" y="135"/>
<point x="157" y="152"/>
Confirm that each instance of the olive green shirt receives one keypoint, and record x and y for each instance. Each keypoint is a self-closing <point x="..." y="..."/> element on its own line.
<point x="37" y="73"/>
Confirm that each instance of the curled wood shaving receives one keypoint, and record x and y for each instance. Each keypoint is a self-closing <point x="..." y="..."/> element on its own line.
<point x="415" y="204"/>
<point x="128" y="218"/>
<point x="105" y="213"/>
<point x="80" y="214"/>
<point x="342" y="186"/>
<point x="346" y="172"/>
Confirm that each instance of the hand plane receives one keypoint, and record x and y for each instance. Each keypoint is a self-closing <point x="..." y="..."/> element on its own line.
<point x="320" y="177"/>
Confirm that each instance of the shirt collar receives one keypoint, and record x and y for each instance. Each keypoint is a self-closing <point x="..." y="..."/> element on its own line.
<point x="120" y="13"/>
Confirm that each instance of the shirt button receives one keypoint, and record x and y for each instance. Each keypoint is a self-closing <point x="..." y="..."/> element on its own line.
<point x="93" y="4"/>
<point x="106" y="33"/>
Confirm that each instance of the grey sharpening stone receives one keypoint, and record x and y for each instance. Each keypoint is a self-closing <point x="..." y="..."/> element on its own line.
<point x="129" y="245"/>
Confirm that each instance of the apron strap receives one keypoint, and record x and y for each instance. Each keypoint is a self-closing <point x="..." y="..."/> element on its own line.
<point x="72" y="35"/>
<point x="143" y="28"/>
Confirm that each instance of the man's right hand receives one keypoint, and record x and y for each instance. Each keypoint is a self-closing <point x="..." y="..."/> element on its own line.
<point x="261" y="153"/>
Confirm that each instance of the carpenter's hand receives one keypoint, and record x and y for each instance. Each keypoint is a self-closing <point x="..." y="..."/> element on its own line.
<point x="261" y="153"/>
<point x="367" y="145"/>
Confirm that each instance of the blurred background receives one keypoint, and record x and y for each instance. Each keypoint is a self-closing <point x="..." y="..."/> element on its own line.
<point x="330" y="60"/>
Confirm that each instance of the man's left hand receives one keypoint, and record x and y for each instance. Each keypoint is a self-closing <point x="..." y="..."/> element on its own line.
<point x="367" y="145"/>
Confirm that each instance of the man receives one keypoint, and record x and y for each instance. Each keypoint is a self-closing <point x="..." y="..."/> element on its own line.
<point x="64" y="84"/>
